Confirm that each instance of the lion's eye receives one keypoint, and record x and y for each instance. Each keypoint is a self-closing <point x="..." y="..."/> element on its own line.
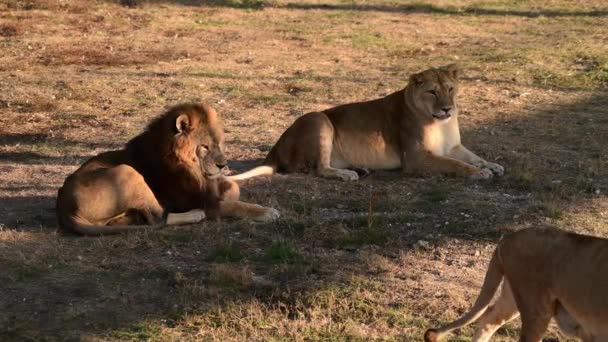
<point x="433" y="92"/>
<point x="205" y="147"/>
<point x="451" y="89"/>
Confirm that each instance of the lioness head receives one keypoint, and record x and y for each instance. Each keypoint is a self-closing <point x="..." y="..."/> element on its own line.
<point x="199" y="139"/>
<point x="433" y="92"/>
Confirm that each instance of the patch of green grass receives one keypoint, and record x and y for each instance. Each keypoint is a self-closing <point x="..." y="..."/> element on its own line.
<point x="160" y="272"/>
<point x="144" y="331"/>
<point x="281" y="251"/>
<point x="230" y="276"/>
<point x="508" y="330"/>
<point x="436" y="193"/>
<point x="586" y="72"/>
<point x="366" y="39"/>
<point x="28" y="272"/>
<point x="293" y="227"/>
<point x="593" y="70"/>
<point x="551" y="209"/>
<point x="210" y="21"/>
<point x="302" y="207"/>
<point x="374" y="235"/>
<point x="341" y="14"/>
<point x="229" y="252"/>
<point x="523" y="178"/>
<point x="585" y="185"/>
<point x="269" y="99"/>
<point x="225" y="89"/>
<point x="210" y="73"/>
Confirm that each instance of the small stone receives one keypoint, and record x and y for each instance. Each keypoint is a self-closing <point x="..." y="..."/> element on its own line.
<point x="422" y="244"/>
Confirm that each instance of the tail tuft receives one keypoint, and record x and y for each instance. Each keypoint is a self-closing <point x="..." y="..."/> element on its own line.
<point x="430" y="335"/>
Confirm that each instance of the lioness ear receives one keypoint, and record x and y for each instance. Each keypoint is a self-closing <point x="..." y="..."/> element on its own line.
<point x="452" y="69"/>
<point x="182" y="123"/>
<point x="416" y="79"/>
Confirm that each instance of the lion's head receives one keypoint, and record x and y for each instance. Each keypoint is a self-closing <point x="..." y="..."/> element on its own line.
<point x="199" y="138"/>
<point x="432" y="92"/>
<point x="187" y="138"/>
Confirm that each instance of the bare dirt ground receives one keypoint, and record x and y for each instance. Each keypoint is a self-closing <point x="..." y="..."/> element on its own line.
<point x="80" y="77"/>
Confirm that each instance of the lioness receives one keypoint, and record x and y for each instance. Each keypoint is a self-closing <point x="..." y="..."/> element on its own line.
<point x="174" y="166"/>
<point x="548" y="273"/>
<point x="415" y="129"/>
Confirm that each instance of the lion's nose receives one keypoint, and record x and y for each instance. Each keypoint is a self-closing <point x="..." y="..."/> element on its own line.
<point x="220" y="166"/>
<point x="446" y="109"/>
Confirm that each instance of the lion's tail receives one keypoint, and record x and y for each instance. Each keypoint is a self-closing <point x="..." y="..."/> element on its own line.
<point x="268" y="168"/>
<point x="491" y="283"/>
<point x="84" y="227"/>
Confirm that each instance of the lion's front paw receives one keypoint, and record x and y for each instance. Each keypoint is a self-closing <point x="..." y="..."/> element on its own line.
<point x="348" y="175"/>
<point x="498" y="170"/>
<point x="269" y="215"/>
<point x="197" y="215"/>
<point x="482" y="174"/>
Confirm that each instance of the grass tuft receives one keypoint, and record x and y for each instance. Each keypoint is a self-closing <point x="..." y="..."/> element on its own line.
<point x="229" y="252"/>
<point x="281" y="252"/>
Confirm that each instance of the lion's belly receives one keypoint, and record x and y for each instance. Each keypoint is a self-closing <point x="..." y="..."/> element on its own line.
<point x="367" y="152"/>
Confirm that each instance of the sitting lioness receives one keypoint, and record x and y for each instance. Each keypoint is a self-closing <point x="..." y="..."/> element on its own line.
<point x="415" y="129"/>
<point x="169" y="174"/>
<point x="547" y="273"/>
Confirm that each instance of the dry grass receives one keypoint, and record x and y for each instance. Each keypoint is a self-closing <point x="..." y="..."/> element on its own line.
<point x="80" y="77"/>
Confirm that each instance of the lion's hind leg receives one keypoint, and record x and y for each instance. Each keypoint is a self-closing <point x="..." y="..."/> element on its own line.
<point x="133" y="195"/>
<point x="116" y="196"/>
<point x="501" y="312"/>
<point x="536" y="306"/>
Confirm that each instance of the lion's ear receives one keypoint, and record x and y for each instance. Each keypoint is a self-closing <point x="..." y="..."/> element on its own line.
<point x="416" y="79"/>
<point x="182" y="123"/>
<point x="452" y="69"/>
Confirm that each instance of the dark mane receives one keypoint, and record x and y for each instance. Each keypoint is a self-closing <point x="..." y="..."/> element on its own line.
<point x="152" y="155"/>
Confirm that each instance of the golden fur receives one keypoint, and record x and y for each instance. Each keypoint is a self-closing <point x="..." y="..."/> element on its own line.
<point x="169" y="174"/>
<point x="415" y="129"/>
<point x="547" y="274"/>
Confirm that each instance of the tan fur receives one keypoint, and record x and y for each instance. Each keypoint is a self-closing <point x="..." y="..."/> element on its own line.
<point x="169" y="174"/>
<point x="547" y="274"/>
<point x="415" y="129"/>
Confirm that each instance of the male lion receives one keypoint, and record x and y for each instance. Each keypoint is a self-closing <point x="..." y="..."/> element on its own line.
<point x="415" y="129"/>
<point x="548" y="273"/>
<point x="174" y="166"/>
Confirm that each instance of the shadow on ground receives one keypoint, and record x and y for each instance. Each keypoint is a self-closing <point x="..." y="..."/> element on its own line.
<point x="397" y="8"/>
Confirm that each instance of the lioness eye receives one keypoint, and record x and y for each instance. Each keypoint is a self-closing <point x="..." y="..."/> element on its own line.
<point x="433" y="92"/>
<point x="205" y="147"/>
<point x="451" y="89"/>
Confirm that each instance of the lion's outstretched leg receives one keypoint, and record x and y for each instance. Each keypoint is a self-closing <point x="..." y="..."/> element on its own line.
<point x="248" y="211"/>
<point x="463" y="154"/>
<point x="230" y="205"/>
<point x="502" y="311"/>
<point x="427" y="163"/>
